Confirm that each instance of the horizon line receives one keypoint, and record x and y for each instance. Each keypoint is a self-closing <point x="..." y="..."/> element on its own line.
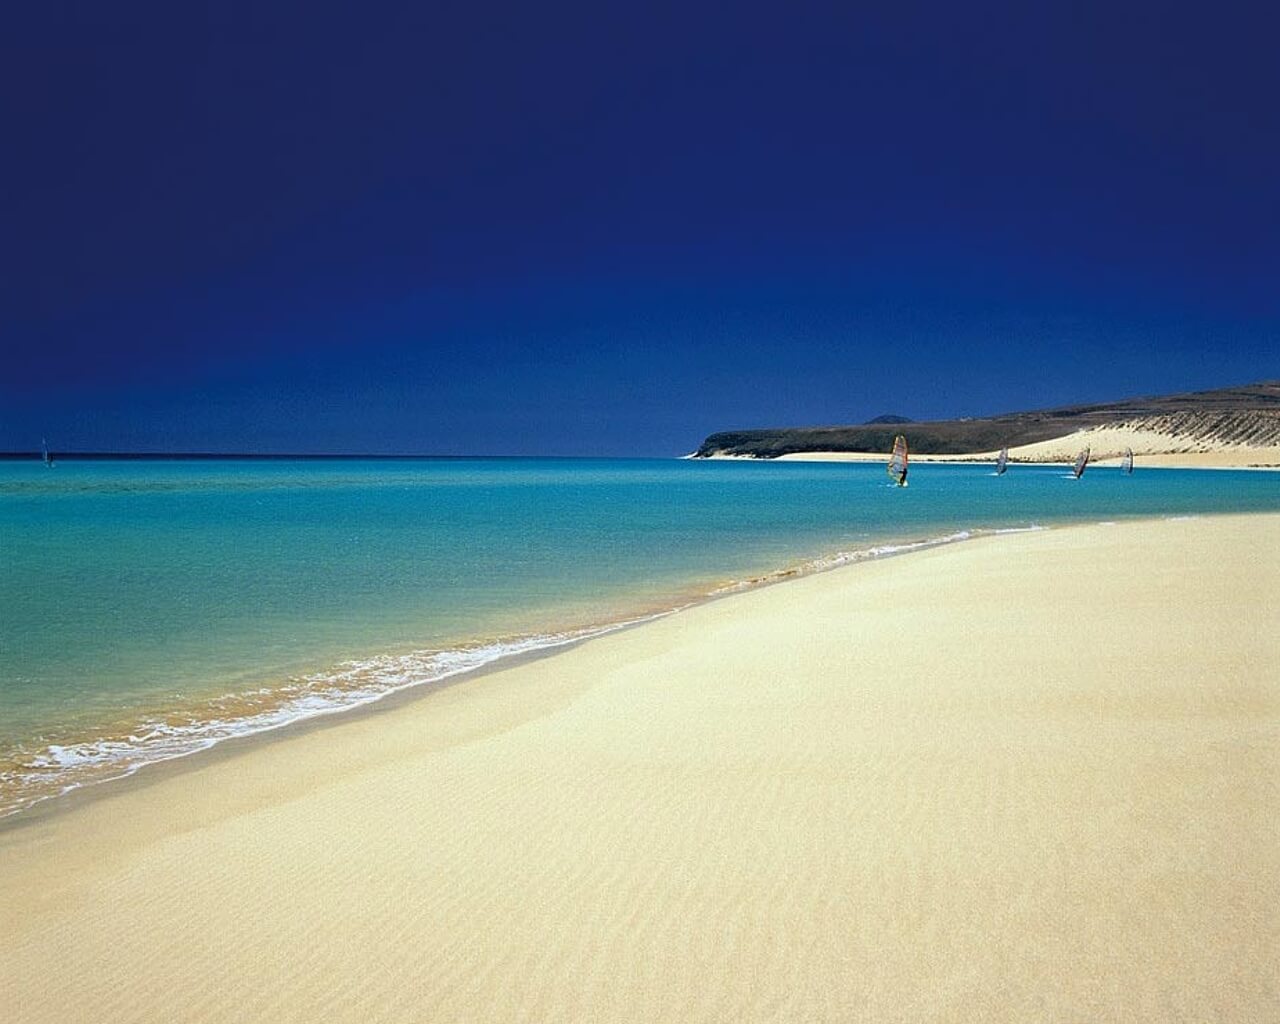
<point x="19" y="456"/>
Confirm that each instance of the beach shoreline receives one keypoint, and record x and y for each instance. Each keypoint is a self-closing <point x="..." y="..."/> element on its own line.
<point x="549" y="645"/>
<point x="418" y="580"/>
<point x="1246" y="459"/>
<point x="1047" y="801"/>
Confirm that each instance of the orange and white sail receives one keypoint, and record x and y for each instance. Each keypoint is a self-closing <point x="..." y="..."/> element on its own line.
<point x="898" y="460"/>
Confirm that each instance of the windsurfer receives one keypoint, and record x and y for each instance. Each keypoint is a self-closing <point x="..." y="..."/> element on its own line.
<point x="897" y="467"/>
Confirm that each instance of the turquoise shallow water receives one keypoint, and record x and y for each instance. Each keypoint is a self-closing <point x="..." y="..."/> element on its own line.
<point x="148" y="609"/>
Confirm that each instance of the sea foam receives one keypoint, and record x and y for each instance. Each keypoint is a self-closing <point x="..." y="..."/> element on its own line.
<point x="59" y="768"/>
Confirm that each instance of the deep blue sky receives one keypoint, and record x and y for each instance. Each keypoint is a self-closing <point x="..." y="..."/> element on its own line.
<point x="611" y="229"/>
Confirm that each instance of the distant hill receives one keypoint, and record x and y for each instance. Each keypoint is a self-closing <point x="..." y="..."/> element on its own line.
<point x="890" y="418"/>
<point x="1248" y="415"/>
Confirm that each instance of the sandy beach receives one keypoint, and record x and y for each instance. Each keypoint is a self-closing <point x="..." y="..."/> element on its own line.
<point x="1029" y="777"/>
<point x="1244" y="458"/>
<point x="1150" y="452"/>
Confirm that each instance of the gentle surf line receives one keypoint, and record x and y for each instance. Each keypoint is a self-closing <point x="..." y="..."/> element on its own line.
<point x="354" y="685"/>
<point x="59" y="769"/>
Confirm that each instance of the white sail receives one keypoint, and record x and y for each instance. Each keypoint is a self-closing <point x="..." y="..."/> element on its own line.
<point x="897" y="467"/>
<point x="1002" y="463"/>
<point x="1082" y="460"/>
<point x="44" y="453"/>
<point x="1126" y="463"/>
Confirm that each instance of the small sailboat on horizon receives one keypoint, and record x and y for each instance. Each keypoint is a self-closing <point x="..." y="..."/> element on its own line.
<point x="45" y="457"/>
<point x="1002" y="462"/>
<point x="1126" y="462"/>
<point x="1082" y="460"/>
<point x="897" y="467"/>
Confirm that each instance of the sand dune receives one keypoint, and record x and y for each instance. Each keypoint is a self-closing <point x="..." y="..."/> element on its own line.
<point x="1193" y="439"/>
<point x="1156" y="441"/>
<point x="1030" y="777"/>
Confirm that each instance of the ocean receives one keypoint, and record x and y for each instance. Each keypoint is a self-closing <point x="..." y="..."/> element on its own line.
<point x="149" y="609"/>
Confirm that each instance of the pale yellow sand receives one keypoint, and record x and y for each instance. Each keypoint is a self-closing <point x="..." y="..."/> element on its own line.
<point x="1106" y="444"/>
<point x="1025" y="778"/>
<point x="1151" y="448"/>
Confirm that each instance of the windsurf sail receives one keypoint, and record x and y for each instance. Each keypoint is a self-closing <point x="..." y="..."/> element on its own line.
<point x="897" y="467"/>
<point x="1126" y="463"/>
<point x="45" y="457"/>
<point x="1002" y="463"/>
<point x="1082" y="460"/>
